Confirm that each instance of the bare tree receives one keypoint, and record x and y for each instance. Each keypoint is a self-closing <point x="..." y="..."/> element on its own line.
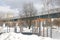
<point x="29" y="11"/>
<point x="46" y="5"/>
<point x="56" y="22"/>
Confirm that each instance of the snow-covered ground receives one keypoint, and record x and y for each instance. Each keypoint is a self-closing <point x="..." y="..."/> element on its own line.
<point x="19" y="36"/>
<point x="56" y="34"/>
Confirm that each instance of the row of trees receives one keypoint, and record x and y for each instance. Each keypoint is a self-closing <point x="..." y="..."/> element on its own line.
<point x="29" y="11"/>
<point x="56" y="22"/>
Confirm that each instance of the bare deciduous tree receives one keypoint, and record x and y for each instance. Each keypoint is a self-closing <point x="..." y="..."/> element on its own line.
<point x="56" y="22"/>
<point x="46" y="5"/>
<point x="29" y="11"/>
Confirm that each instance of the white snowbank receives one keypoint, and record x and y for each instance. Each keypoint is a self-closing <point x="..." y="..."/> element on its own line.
<point x="27" y="29"/>
<point x="19" y="36"/>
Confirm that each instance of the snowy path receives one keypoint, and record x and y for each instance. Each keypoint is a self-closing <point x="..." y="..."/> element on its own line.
<point x="19" y="36"/>
<point x="7" y="37"/>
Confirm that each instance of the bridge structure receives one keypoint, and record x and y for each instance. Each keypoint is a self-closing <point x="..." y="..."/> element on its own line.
<point x="53" y="13"/>
<point x="38" y="20"/>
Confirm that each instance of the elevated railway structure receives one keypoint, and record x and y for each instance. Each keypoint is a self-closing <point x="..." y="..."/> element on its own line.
<point x="53" y="13"/>
<point x="37" y="20"/>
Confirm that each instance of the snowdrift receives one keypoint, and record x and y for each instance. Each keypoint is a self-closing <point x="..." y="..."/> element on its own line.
<point x="19" y="36"/>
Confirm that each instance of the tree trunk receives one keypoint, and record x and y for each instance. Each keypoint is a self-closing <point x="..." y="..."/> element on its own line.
<point x="30" y="23"/>
<point x="43" y="31"/>
<point x="39" y="31"/>
<point x="29" y="27"/>
<point x="39" y="28"/>
<point x="9" y="29"/>
<point x="51" y="32"/>
<point x="47" y="31"/>
<point x="21" y="29"/>
<point x="51" y="29"/>
<point x="58" y="27"/>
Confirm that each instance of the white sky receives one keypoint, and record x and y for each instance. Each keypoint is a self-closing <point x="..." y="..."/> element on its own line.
<point x="8" y="9"/>
<point x="15" y="6"/>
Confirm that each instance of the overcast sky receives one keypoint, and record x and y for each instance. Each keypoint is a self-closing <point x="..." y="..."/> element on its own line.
<point x="15" y="6"/>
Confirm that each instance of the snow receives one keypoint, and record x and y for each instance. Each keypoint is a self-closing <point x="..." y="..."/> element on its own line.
<point x="25" y="29"/>
<point x="1" y="29"/>
<point x="19" y="36"/>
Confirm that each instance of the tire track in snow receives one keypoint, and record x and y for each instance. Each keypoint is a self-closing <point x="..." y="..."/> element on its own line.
<point x="7" y="37"/>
